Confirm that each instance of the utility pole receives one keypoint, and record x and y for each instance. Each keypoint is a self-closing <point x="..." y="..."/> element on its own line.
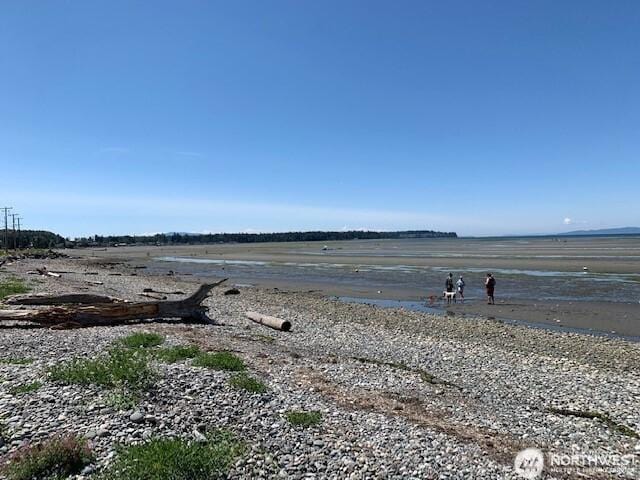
<point x="6" y="227"/>
<point x="19" y="239"/>
<point x="13" y="219"/>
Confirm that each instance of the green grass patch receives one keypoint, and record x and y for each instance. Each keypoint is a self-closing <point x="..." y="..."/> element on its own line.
<point x="122" y="399"/>
<point x="177" y="353"/>
<point x="12" y="286"/>
<point x="220" y="361"/>
<point x="176" y="459"/>
<point x="55" y="458"/>
<point x="304" y="419"/>
<point x="246" y="382"/>
<point x="142" y="340"/>
<point x="608" y="421"/>
<point x="25" y="388"/>
<point x="16" y="361"/>
<point x="119" y="368"/>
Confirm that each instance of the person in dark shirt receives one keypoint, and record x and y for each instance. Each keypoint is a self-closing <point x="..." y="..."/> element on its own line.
<point x="490" y="285"/>
<point x="448" y="284"/>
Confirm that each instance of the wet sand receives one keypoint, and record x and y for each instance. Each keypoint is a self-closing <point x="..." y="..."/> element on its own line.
<point x="540" y="280"/>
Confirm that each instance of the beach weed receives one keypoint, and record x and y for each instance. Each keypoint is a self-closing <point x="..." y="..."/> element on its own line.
<point x="243" y="381"/>
<point x="220" y="361"/>
<point x="12" y="286"/>
<point x="122" y="399"/>
<point x="177" y="459"/>
<point x="120" y="367"/>
<point x="142" y="340"/>
<point x="25" y="388"/>
<point x="177" y="353"/>
<point x="16" y="361"/>
<point x="55" y="458"/>
<point x="303" y="418"/>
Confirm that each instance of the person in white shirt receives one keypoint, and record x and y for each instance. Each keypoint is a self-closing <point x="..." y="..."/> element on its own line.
<point x="460" y="287"/>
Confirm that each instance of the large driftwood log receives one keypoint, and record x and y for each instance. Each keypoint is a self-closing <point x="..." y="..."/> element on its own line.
<point x="269" y="321"/>
<point x="43" y="299"/>
<point x="188" y="310"/>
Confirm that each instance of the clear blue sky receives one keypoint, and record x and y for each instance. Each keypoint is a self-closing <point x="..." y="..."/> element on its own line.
<point x="481" y="117"/>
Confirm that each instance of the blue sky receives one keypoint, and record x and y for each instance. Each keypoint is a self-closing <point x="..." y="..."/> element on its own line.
<point x="478" y="117"/>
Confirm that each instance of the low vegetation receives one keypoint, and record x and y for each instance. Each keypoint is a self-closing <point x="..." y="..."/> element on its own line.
<point x="25" y="388"/>
<point x="12" y="286"/>
<point x="142" y="340"/>
<point x="246" y="382"/>
<point x="176" y="459"/>
<point x="128" y="369"/>
<point x="608" y="421"/>
<point x="53" y="459"/>
<point x="122" y="399"/>
<point x="177" y="353"/>
<point x="304" y="419"/>
<point x="220" y="361"/>
<point x="16" y="361"/>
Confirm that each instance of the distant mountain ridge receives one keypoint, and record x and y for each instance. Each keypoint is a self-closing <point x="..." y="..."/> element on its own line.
<point x="606" y="231"/>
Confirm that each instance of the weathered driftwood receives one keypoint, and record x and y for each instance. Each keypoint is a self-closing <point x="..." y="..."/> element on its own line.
<point x="189" y="310"/>
<point x="43" y="271"/>
<point x="151" y="290"/>
<point x="156" y="297"/>
<point x="269" y="321"/>
<point x="43" y="299"/>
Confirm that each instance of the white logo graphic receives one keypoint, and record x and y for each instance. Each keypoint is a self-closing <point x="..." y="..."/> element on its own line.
<point x="529" y="463"/>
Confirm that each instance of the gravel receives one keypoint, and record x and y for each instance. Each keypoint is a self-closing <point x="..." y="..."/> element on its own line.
<point x="402" y="394"/>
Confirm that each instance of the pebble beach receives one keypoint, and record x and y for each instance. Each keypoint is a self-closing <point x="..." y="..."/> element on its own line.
<point x="402" y="394"/>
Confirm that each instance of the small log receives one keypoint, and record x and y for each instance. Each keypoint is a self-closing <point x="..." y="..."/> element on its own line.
<point x="148" y="295"/>
<point x="43" y="271"/>
<point x="269" y="321"/>
<point x="94" y="282"/>
<point x="77" y="298"/>
<point x="151" y="290"/>
<point x="107" y="314"/>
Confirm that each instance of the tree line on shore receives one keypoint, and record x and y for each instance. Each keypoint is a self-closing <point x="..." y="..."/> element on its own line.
<point x="191" y="238"/>
<point x="44" y="239"/>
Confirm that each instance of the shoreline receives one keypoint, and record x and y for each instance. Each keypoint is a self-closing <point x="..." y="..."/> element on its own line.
<point x="605" y="317"/>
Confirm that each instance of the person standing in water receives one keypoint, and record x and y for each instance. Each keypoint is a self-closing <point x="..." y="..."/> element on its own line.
<point x="448" y="284"/>
<point x="490" y="285"/>
<point x="460" y="285"/>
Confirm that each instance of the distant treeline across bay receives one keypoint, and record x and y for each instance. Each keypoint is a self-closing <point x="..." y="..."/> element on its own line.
<point x="192" y="238"/>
